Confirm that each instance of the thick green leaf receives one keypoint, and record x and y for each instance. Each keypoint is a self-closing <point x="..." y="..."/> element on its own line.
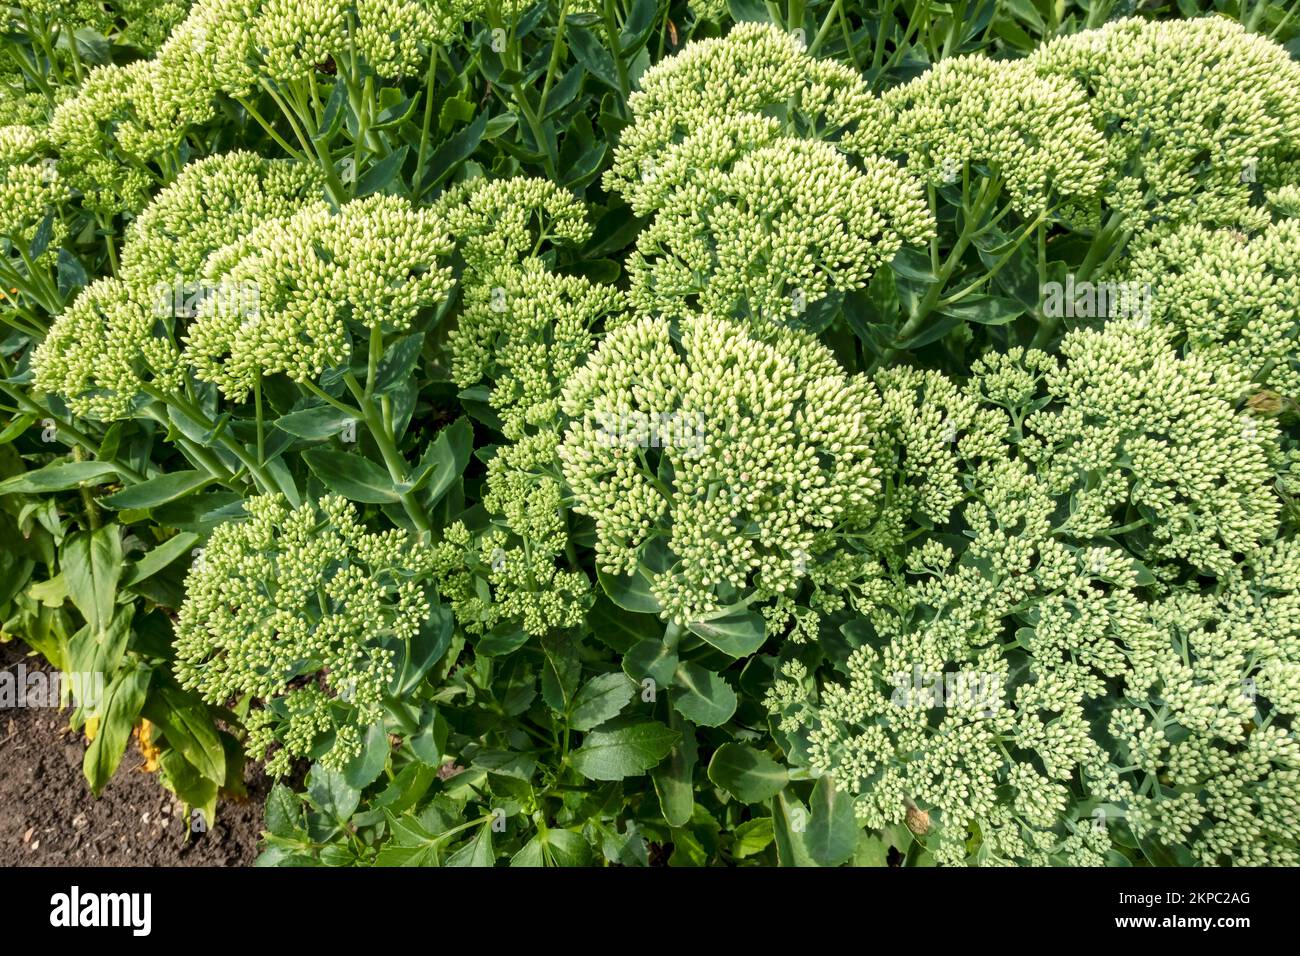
<point x="789" y="825"/>
<point x="444" y="461"/>
<point x="118" y="714"/>
<point x="591" y="53"/>
<point x="653" y="659"/>
<point x="624" y="752"/>
<point x="752" y="837"/>
<point x="362" y="769"/>
<point x="282" y="811"/>
<point x="737" y="634"/>
<point x="331" y="793"/>
<point x="832" y="833"/>
<point x="379" y="176"/>
<point x="477" y="852"/>
<point x="674" y="778"/>
<point x="749" y="775"/>
<point x="702" y="696"/>
<point x="160" y="557"/>
<point x="60" y="476"/>
<point x="187" y="724"/>
<point x="630" y="592"/>
<point x="158" y="491"/>
<point x="352" y="476"/>
<point x="601" y="698"/>
<point x="92" y="566"/>
<point x="316" y="424"/>
<point x="986" y="309"/>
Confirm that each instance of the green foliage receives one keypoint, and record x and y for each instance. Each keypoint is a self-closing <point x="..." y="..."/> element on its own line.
<point x="629" y="432"/>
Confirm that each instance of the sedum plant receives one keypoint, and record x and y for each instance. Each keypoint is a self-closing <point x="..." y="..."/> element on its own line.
<point x="299" y="609"/>
<point x="742" y="147"/>
<point x="639" y="433"/>
<point x="725" y="466"/>
<point x="1010" y="687"/>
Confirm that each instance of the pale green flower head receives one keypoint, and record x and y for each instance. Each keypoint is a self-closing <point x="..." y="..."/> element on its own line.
<point x="526" y="330"/>
<point x="213" y="203"/>
<point x="781" y="229"/>
<point x="289" y="295"/>
<point x="736" y="461"/>
<point x="1023" y="690"/>
<point x="1230" y="297"/>
<point x="501" y="222"/>
<point x="295" y="593"/>
<point x="243" y="42"/>
<point x="142" y="24"/>
<point x="1135" y="433"/>
<point x="513" y="574"/>
<point x="122" y="119"/>
<point x="1035" y="132"/>
<point x="105" y="349"/>
<point x="30" y="184"/>
<point x="742" y="150"/>
<point x="756" y="69"/>
<point x="1195" y="112"/>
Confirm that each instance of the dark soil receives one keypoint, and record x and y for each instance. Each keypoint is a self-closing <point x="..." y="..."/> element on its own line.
<point x="49" y="818"/>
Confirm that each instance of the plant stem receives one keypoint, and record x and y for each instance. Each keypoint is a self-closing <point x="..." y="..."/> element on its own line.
<point x="393" y="460"/>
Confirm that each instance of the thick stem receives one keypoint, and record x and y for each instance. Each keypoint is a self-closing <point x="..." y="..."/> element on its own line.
<point x="393" y="460"/>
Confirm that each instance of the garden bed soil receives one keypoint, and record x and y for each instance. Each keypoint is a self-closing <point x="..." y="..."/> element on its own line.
<point x="48" y="816"/>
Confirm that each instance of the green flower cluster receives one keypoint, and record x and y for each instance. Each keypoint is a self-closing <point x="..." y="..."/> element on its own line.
<point x="742" y="150"/>
<point x="1111" y="540"/>
<point x="30" y="185"/>
<point x="1230" y="296"/>
<point x="124" y="123"/>
<point x="747" y="460"/>
<point x="106" y="350"/>
<point x="524" y="329"/>
<point x="314" y="275"/>
<point x="1033" y="132"/>
<point x="299" y="608"/>
<point x="242" y="43"/>
<point x="123" y="336"/>
<point x="214" y="203"/>
<point x="1195" y="113"/>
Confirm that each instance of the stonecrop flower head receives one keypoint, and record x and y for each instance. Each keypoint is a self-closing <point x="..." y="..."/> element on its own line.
<point x="743" y="459"/>
<point x="105" y="349"/>
<point x="301" y="608"/>
<point x="1149" y="445"/>
<point x="122" y="120"/>
<point x="780" y="229"/>
<point x="1232" y="297"/>
<point x="142" y="24"/>
<point x="1195" y="112"/>
<point x="503" y="222"/>
<point x="986" y="671"/>
<point x="313" y="276"/>
<point x="755" y="70"/>
<point x="740" y="148"/>
<point x="1034" y="132"/>
<point x="214" y="202"/>
<point x="30" y="185"/>
<point x="1204" y="730"/>
<point x="526" y="329"/>
<point x="513" y="574"/>
<point x="241" y="43"/>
